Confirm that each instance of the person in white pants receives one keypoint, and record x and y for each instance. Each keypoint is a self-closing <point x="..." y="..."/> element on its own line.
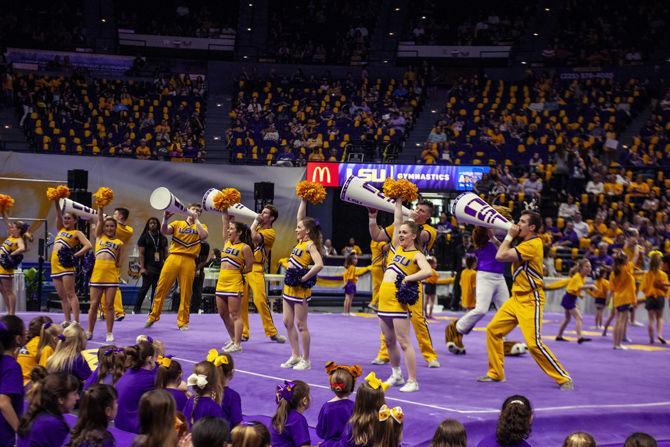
<point x="490" y="286"/>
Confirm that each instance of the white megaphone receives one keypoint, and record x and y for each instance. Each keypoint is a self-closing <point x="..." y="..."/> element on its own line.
<point x="362" y="193"/>
<point x="238" y="210"/>
<point x="163" y="200"/>
<point x="469" y="208"/>
<point x="76" y="208"/>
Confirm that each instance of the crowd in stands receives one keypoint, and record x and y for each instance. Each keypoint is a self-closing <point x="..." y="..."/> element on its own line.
<point x="153" y="401"/>
<point x="336" y="32"/>
<point x="433" y="22"/>
<point x="652" y="145"/>
<point x="161" y="119"/>
<point x="195" y="18"/>
<point x="289" y="121"/>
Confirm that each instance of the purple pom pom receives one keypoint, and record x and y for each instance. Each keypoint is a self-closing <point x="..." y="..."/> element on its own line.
<point x="408" y="292"/>
<point x="293" y="278"/>
<point x="66" y="257"/>
<point x="10" y="262"/>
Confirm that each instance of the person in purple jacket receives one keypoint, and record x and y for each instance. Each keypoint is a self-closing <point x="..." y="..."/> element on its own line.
<point x="335" y="413"/>
<point x="289" y="426"/>
<point x="514" y="424"/>
<point x="206" y="384"/>
<point x="67" y="357"/>
<point x="168" y="378"/>
<point x="43" y="424"/>
<point x="97" y="408"/>
<point x="11" y="380"/>
<point x="111" y="366"/>
<point x="231" y="403"/>
<point x="490" y="286"/>
<point x="137" y="380"/>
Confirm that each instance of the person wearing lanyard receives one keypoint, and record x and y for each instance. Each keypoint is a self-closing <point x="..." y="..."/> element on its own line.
<point x="152" y="245"/>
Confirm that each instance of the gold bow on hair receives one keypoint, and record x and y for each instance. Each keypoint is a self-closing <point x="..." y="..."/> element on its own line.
<point x="165" y="362"/>
<point x="214" y="357"/>
<point x="396" y="413"/>
<point x="375" y="383"/>
<point x="355" y="370"/>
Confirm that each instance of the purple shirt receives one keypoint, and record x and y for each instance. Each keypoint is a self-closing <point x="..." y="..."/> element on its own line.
<point x="486" y="259"/>
<point x="80" y="369"/>
<point x="11" y="385"/>
<point x="346" y="438"/>
<point x="130" y="387"/>
<point x="46" y="430"/>
<point x="231" y="406"/>
<point x="295" y="434"/>
<point x="206" y="406"/>
<point x="490" y="441"/>
<point x="333" y="417"/>
<point x="180" y="398"/>
<point x="93" y="379"/>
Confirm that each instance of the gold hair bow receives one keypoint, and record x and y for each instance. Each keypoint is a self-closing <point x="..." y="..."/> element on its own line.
<point x="165" y="362"/>
<point x="355" y="370"/>
<point x="375" y="383"/>
<point x="396" y="413"/>
<point x="214" y="357"/>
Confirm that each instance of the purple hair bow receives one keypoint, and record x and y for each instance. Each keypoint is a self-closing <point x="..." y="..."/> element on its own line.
<point x="285" y="391"/>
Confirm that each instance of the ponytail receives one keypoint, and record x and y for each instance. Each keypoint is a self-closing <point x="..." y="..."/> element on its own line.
<point x="289" y="397"/>
<point x="314" y="231"/>
<point x="45" y="396"/>
<point x="245" y="234"/>
<point x="137" y="355"/>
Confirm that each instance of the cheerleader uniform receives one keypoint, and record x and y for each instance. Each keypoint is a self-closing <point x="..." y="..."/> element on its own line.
<point x="350" y="280"/>
<point x="64" y="238"/>
<point x="300" y="259"/>
<point x="572" y="291"/>
<point x="655" y="296"/>
<point x="105" y="272"/>
<point x="600" y="292"/>
<point x="403" y="263"/>
<point x="623" y="287"/>
<point x="231" y="282"/>
<point x="8" y="247"/>
<point x="430" y="283"/>
<point x="468" y="286"/>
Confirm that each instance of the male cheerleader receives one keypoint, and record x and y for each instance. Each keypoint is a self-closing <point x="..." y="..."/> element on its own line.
<point x="123" y="232"/>
<point x="180" y="263"/>
<point x="263" y="236"/>
<point x="525" y="306"/>
<point x="428" y="235"/>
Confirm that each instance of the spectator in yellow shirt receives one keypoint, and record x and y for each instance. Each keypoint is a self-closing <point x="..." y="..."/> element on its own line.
<point x="467" y="283"/>
<point x="142" y="152"/>
<point x="655" y="288"/>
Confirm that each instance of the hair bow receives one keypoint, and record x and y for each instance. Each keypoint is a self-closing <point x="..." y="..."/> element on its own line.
<point x="285" y="391"/>
<point x="47" y="325"/>
<point x="396" y="413"/>
<point x="111" y="351"/>
<point x="216" y="358"/>
<point x="355" y="370"/>
<point x="164" y="361"/>
<point x="61" y="337"/>
<point x="655" y="253"/>
<point x="375" y="383"/>
<point x="199" y="380"/>
<point x="147" y="338"/>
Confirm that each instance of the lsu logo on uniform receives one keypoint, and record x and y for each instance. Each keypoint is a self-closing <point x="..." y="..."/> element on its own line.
<point x="109" y="244"/>
<point x="232" y="251"/>
<point x="188" y="231"/>
<point x="297" y="252"/>
<point x="398" y="259"/>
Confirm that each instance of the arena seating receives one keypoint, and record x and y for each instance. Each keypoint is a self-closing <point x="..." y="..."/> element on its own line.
<point x="163" y="119"/>
<point x="652" y="146"/>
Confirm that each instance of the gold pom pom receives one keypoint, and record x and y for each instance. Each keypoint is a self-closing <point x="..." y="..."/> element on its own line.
<point x="226" y="198"/>
<point x="6" y="202"/>
<point x="59" y="192"/>
<point x="103" y="197"/>
<point x="313" y="192"/>
<point x="401" y="189"/>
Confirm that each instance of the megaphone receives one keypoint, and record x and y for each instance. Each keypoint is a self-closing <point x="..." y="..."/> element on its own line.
<point x="76" y="208"/>
<point x="469" y="208"/>
<point x="362" y="193"/>
<point x="238" y="210"/>
<point x="163" y="200"/>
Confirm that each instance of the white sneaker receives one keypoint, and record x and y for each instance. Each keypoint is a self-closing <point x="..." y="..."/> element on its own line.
<point x="228" y="344"/>
<point x="637" y="324"/>
<point x="109" y="338"/>
<point x="410" y="387"/>
<point x="291" y="362"/>
<point x="183" y="328"/>
<point x="233" y="348"/>
<point x="89" y="335"/>
<point x="627" y="339"/>
<point x="394" y="380"/>
<point x="303" y="365"/>
<point x="378" y="361"/>
<point x="278" y="338"/>
<point x="434" y="364"/>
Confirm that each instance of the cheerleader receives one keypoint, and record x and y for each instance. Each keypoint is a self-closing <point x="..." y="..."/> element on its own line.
<point x="655" y="288"/>
<point x="599" y="294"/>
<point x="298" y="283"/>
<point x="578" y="275"/>
<point x="11" y="255"/>
<point x="406" y="268"/>
<point x="622" y="286"/>
<point x="236" y="259"/>
<point x="105" y="276"/>
<point x="63" y="261"/>
<point x="349" y="279"/>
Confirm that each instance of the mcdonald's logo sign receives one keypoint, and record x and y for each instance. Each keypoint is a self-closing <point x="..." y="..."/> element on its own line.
<point x="325" y="173"/>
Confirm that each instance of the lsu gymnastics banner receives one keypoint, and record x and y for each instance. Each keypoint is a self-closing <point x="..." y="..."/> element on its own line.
<point x="426" y="177"/>
<point x="27" y="176"/>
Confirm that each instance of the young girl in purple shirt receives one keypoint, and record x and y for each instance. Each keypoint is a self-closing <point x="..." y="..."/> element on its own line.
<point x="67" y="357"/>
<point x="157" y="416"/>
<point x="335" y="413"/>
<point x="289" y="426"/>
<point x="514" y="424"/>
<point x="388" y="427"/>
<point x="231" y="403"/>
<point x="97" y="408"/>
<point x="206" y="385"/>
<point x="11" y="380"/>
<point x="369" y="399"/>
<point x="111" y="366"/>
<point x="137" y="380"/>
<point x="43" y="424"/>
<point x="168" y="378"/>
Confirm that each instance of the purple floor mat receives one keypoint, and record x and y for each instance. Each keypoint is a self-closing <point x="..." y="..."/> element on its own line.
<point x="616" y="392"/>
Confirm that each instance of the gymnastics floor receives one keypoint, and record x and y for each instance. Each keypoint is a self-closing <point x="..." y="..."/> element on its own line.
<point x="616" y="392"/>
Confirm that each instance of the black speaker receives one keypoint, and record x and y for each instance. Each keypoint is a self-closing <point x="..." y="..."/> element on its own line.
<point x="77" y="179"/>
<point x="83" y="197"/>
<point x="264" y="191"/>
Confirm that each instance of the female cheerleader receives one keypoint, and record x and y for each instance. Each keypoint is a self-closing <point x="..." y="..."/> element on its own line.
<point x="622" y="285"/>
<point x="236" y="259"/>
<point x="297" y="294"/>
<point x="655" y="288"/>
<point x="105" y="276"/>
<point x="406" y="267"/>
<point x="10" y="257"/>
<point x="599" y="294"/>
<point x="574" y="289"/>
<point x="63" y="262"/>
<point x="350" y="280"/>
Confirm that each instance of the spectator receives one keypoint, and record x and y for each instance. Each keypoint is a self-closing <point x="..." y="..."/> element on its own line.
<point x="579" y="439"/>
<point x="595" y="186"/>
<point x="142" y="152"/>
<point x="533" y="186"/>
<point x="569" y="208"/>
<point x="514" y="424"/>
<point x="351" y="247"/>
<point x="640" y="440"/>
<point x="484" y="185"/>
<point x="437" y="135"/>
<point x="328" y="249"/>
<point x="569" y="238"/>
<point x="286" y="158"/>
<point x="581" y="227"/>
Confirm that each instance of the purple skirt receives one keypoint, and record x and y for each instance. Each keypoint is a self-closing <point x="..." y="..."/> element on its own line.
<point x="350" y="288"/>
<point x="569" y="301"/>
